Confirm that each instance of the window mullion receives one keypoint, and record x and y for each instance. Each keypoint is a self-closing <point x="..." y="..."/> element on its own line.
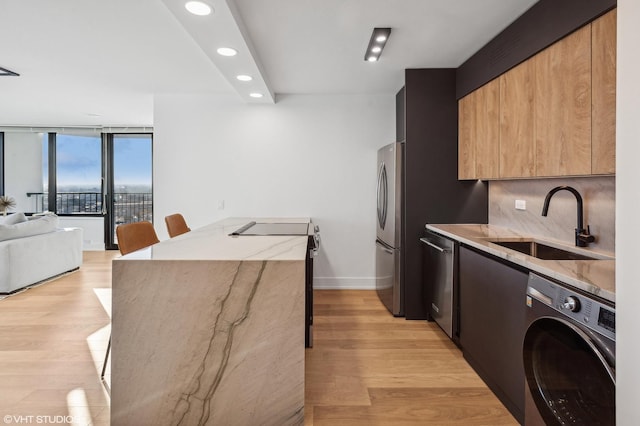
<point x="53" y="186"/>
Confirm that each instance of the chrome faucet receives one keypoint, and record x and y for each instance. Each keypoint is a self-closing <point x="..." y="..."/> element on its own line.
<point x="583" y="237"/>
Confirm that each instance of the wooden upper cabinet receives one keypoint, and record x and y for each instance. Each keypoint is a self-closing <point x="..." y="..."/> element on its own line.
<point x="466" y="135"/>
<point x="488" y="130"/>
<point x="479" y="133"/>
<point x="603" y="132"/>
<point x="563" y="106"/>
<point x="517" y="144"/>
<point x="552" y="115"/>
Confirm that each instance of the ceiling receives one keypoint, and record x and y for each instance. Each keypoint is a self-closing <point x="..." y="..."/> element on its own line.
<point x="100" y="63"/>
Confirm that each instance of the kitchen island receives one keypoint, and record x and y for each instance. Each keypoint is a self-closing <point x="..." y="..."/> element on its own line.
<point x="208" y="329"/>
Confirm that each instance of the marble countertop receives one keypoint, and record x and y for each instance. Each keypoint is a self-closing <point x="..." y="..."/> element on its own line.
<point x="213" y="242"/>
<point x="210" y="329"/>
<point x="593" y="276"/>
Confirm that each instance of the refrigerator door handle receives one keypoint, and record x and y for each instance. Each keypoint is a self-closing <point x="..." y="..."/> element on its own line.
<point x="384" y="247"/>
<point x="382" y="196"/>
<point x="385" y="187"/>
<point x="378" y="208"/>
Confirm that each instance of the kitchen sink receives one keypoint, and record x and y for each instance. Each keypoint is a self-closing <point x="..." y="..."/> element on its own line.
<point x="543" y="251"/>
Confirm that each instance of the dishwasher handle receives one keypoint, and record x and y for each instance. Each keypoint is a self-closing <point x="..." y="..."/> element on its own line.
<point x="435" y="246"/>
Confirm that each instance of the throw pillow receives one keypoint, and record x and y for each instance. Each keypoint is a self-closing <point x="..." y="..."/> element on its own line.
<point x="12" y="219"/>
<point x="41" y="225"/>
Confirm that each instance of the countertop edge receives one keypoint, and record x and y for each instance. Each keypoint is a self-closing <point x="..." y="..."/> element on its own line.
<point x="576" y="273"/>
<point x="213" y="242"/>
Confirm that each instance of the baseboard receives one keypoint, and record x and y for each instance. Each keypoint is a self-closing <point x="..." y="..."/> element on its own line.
<point x="92" y="246"/>
<point x="344" y="283"/>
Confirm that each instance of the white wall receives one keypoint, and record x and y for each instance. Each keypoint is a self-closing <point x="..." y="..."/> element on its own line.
<point x="23" y="168"/>
<point x="628" y="215"/>
<point x="307" y="155"/>
<point x="92" y="230"/>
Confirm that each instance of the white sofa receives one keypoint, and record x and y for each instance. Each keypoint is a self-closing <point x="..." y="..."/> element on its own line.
<point x="35" y="250"/>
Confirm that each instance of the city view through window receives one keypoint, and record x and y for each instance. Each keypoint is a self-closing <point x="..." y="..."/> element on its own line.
<point x="80" y="188"/>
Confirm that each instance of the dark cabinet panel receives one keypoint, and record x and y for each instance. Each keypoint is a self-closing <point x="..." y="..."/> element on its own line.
<point x="401" y="133"/>
<point x="543" y="24"/>
<point x="432" y="192"/>
<point x="493" y="324"/>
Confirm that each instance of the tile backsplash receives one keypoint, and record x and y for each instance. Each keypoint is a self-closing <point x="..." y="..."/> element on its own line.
<point x="598" y="194"/>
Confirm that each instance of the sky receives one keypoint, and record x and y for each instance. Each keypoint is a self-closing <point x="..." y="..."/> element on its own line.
<point x="78" y="160"/>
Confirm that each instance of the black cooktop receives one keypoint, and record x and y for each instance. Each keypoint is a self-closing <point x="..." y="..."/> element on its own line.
<point x="255" y="228"/>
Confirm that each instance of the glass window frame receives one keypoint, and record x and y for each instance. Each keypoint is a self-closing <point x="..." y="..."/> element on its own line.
<point x="52" y="192"/>
<point x="109" y="180"/>
<point x="107" y="161"/>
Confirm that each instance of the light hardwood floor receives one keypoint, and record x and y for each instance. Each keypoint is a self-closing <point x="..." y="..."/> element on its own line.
<point x="53" y="339"/>
<point x="366" y="367"/>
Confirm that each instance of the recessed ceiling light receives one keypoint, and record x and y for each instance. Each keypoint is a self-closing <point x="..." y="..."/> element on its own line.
<point x="243" y="77"/>
<point x="227" y="51"/>
<point x="255" y="95"/>
<point x="377" y="41"/>
<point x="198" y="8"/>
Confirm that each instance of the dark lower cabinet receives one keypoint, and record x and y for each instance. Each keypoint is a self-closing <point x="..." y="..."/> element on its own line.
<point x="493" y="324"/>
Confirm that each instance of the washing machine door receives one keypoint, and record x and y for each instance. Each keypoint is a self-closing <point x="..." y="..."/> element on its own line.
<point x="568" y="373"/>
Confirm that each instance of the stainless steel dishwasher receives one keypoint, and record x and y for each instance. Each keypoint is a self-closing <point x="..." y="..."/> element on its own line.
<point x="438" y="273"/>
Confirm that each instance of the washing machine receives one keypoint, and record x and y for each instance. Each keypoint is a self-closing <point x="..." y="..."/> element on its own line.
<point x="569" y="356"/>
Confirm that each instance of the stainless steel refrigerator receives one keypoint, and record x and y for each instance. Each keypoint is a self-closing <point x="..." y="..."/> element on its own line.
<point x="389" y="280"/>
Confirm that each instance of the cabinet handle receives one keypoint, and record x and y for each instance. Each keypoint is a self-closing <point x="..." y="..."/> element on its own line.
<point x="430" y="244"/>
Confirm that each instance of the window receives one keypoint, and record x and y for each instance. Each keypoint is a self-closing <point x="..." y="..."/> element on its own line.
<point x="78" y="160"/>
<point x="79" y="172"/>
<point x="129" y="187"/>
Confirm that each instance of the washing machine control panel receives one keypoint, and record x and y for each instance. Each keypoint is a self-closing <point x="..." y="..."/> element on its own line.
<point x="593" y="313"/>
<point x="607" y="319"/>
<point x="571" y="303"/>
